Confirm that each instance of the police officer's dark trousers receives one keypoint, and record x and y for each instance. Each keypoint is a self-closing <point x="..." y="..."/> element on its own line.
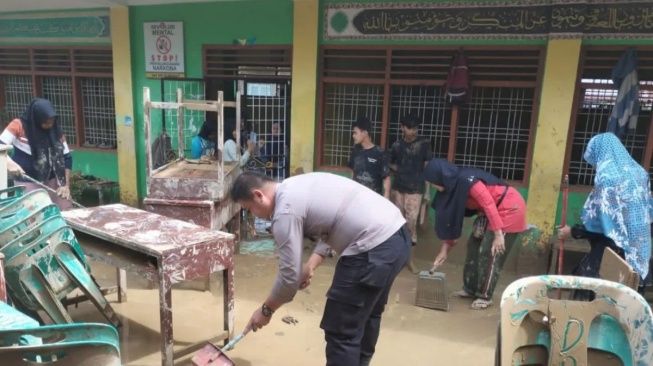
<point x="357" y="298"/>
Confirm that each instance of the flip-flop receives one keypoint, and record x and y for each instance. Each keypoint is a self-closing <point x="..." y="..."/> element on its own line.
<point x="481" y="304"/>
<point x="463" y="294"/>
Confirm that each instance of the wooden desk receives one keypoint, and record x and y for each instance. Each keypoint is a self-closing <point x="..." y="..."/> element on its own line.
<point x="161" y="249"/>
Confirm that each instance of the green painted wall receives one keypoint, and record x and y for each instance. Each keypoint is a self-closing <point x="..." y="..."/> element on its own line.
<point x="97" y="163"/>
<point x="270" y="21"/>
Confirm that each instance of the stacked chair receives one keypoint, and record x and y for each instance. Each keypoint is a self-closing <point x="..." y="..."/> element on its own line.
<point x="43" y="259"/>
<point x="23" y="341"/>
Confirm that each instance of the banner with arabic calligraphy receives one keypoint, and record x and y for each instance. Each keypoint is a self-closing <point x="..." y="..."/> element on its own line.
<point x="37" y="27"/>
<point x="514" y="19"/>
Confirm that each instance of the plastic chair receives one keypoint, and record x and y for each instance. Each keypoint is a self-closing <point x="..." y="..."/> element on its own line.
<point x="23" y="206"/>
<point x="63" y="344"/>
<point x="10" y="229"/>
<point x="38" y="234"/>
<point x="536" y="329"/>
<point x="11" y="194"/>
<point x="46" y="271"/>
<point x="23" y="341"/>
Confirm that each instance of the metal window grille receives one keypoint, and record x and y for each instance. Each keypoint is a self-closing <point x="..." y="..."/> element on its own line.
<point x="193" y="120"/>
<point x="60" y="70"/>
<point x="592" y="117"/>
<point x="429" y="104"/>
<point x="17" y="94"/>
<point x="343" y="104"/>
<point x="494" y="131"/>
<point x="59" y="91"/>
<point x="267" y="104"/>
<point x="98" y="111"/>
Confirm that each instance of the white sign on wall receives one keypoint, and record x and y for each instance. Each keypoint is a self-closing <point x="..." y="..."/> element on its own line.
<point x="164" y="49"/>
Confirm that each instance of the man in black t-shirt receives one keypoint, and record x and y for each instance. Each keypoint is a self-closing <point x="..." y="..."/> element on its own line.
<point x="368" y="161"/>
<point x="408" y="157"/>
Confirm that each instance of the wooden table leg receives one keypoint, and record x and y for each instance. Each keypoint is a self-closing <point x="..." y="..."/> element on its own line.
<point x="121" y="281"/>
<point x="165" y="316"/>
<point x="228" y="295"/>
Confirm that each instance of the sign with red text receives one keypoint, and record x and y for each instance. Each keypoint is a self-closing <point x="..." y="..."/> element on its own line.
<point x="164" y="49"/>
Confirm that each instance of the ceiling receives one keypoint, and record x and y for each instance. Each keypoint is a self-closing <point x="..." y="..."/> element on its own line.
<point x="22" y="5"/>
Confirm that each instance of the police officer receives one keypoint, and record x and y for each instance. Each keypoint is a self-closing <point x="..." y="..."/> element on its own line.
<point x="365" y="229"/>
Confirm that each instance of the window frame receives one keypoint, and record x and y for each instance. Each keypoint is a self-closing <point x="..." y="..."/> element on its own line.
<point x="75" y="76"/>
<point x="388" y="82"/>
<point x="579" y="86"/>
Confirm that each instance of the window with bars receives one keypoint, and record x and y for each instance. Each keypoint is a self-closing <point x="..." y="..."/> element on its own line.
<point x="59" y="91"/>
<point x="595" y="98"/>
<point x="267" y="114"/>
<point x="77" y="80"/>
<point x="429" y="104"/>
<point x="492" y="131"/>
<point x="192" y="89"/>
<point x="17" y="93"/>
<point x="343" y="104"/>
<point x="98" y="113"/>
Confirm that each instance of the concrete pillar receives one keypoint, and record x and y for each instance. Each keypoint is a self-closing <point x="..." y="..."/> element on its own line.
<point x="122" y="84"/>
<point x="556" y="103"/>
<point x="304" y="85"/>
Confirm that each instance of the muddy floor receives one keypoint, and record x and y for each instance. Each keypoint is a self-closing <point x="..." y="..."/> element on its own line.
<point x="409" y="336"/>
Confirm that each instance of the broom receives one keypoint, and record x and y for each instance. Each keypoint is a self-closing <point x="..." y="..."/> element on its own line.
<point x="563" y="221"/>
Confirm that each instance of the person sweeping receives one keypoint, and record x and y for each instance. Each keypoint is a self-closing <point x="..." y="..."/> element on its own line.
<point x="40" y="151"/>
<point x="501" y="217"/>
<point x="365" y="229"/>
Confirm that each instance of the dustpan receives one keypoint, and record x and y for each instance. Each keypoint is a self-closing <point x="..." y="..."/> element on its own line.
<point x="432" y="290"/>
<point x="212" y="355"/>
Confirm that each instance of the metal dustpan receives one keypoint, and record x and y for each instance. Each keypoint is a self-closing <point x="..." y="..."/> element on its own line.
<point x="212" y="355"/>
<point x="432" y="290"/>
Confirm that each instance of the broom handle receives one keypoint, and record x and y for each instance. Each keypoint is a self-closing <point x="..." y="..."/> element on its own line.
<point x="563" y="221"/>
<point x="49" y="189"/>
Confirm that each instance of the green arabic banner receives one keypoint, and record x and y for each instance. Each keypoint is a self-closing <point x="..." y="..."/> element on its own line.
<point x="530" y="19"/>
<point x="64" y="27"/>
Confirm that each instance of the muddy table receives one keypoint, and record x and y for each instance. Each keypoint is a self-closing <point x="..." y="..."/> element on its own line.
<point x="163" y="250"/>
<point x="192" y="192"/>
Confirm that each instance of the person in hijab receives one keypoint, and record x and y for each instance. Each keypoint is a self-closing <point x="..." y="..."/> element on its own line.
<point x="618" y="211"/>
<point x="501" y="217"/>
<point x="40" y="150"/>
<point x="204" y="143"/>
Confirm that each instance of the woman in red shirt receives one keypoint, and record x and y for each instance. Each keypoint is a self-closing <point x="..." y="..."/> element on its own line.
<point x="467" y="192"/>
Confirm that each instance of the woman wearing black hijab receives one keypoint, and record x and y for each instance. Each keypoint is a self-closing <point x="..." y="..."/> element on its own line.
<point x="40" y="150"/>
<point x="502" y="211"/>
